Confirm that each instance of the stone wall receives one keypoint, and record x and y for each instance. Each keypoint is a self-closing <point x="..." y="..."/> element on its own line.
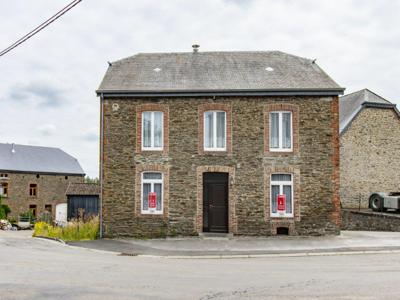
<point x="369" y="156"/>
<point x="315" y="161"/>
<point x="50" y="191"/>
<point x="369" y="221"/>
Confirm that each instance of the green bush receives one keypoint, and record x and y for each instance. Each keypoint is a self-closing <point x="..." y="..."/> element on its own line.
<point x="4" y="210"/>
<point x="76" y="230"/>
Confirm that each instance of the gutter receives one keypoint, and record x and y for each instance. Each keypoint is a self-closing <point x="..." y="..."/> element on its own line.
<point x="208" y="93"/>
<point x="101" y="165"/>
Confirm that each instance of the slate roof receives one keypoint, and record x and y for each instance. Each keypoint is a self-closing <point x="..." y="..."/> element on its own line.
<point x="36" y="159"/>
<point x="351" y="105"/>
<point x="85" y="189"/>
<point x="271" y="71"/>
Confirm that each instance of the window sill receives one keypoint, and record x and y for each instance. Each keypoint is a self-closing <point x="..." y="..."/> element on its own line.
<point x="146" y="213"/>
<point x="282" y="217"/>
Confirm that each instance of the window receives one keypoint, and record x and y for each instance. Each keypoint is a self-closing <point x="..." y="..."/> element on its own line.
<point x="282" y="184"/>
<point x="4" y="189"/>
<point x="152" y="130"/>
<point x="3" y="175"/>
<point x="280" y="136"/>
<point x="48" y="208"/>
<point x="215" y="131"/>
<point x="33" y="209"/>
<point x="33" y="189"/>
<point x="152" y="182"/>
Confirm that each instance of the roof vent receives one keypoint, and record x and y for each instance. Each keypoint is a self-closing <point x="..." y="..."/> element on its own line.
<point x="269" y="69"/>
<point x="195" y="48"/>
<point x="157" y="70"/>
<point x="12" y="148"/>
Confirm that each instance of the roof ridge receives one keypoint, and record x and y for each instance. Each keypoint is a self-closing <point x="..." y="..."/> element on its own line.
<point x="206" y="52"/>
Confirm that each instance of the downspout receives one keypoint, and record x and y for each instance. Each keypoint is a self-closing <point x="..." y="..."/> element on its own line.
<point x="101" y="163"/>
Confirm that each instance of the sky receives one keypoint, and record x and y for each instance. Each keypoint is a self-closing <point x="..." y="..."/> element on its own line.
<point x="47" y="85"/>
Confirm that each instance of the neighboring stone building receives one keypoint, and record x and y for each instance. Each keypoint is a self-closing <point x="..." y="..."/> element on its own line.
<point x="36" y="178"/>
<point x="212" y="138"/>
<point x="369" y="147"/>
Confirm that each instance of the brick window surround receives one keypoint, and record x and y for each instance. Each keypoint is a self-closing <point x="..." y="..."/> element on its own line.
<point x="295" y="127"/>
<point x="281" y="221"/>
<point x="152" y="107"/>
<point x="232" y="219"/>
<point x="138" y="189"/>
<point x="221" y="107"/>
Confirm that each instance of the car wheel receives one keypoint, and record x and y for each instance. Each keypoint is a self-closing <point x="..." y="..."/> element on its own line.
<point x="376" y="203"/>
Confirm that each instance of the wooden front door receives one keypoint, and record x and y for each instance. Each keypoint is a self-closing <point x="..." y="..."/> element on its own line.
<point x="215" y="202"/>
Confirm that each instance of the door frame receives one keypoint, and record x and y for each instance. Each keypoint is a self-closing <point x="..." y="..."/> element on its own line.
<point x="198" y="221"/>
<point x="221" y="179"/>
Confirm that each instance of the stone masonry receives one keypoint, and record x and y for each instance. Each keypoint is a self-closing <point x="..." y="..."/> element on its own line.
<point x="314" y="165"/>
<point x="50" y="191"/>
<point x="369" y="153"/>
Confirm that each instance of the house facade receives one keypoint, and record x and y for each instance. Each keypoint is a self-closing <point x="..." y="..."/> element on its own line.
<point x="369" y="147"/>
<point x="36" y="178"/>
<point x="236" y="142"/>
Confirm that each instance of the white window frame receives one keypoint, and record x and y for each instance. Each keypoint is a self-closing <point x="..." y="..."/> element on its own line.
<point x="152" y="182"/>
<point x="152" y="148"/>
<point x="280" y="126"/>
<point x="214" y="130"/>
<point x="281" y="184"/>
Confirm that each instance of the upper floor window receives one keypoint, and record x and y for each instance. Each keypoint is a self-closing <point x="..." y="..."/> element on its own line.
<point x="215" y="131"/>
<point x="4" y="189"/>
<point x="282" y="184"/>
<point x="33" y="189"/>
<point x="152" y="130"/>
<point x="152" y="185"/>
<point x="3" y="175"/>
<point x="280" y="132"/>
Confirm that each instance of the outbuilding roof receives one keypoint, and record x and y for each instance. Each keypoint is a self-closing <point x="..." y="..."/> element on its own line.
<point x="270" y="72"/>
<point x="85" y="189"/>
<point x="352" y="104"/>
<point x="36" y="159"/>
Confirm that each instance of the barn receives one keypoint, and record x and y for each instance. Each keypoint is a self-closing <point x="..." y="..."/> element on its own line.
<point x="82" y="199"/>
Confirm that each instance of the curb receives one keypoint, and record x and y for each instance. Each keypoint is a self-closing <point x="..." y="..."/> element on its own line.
<point x="50" y="239"/>
<point x="298" y="254"/>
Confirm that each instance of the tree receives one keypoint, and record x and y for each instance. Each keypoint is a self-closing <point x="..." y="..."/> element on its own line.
<point x="91" y="180"/>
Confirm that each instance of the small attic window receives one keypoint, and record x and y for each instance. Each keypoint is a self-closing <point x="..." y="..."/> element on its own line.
<point x="157" y="70"/>
<point x="269" y="69"/>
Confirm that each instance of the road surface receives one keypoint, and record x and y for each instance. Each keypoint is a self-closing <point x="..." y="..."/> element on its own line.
<point x="37" y="269"/>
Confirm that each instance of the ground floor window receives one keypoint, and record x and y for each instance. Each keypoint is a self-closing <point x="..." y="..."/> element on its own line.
<point x="48" y="208"/>
<point x="152" y="186"/>
<point x="4" y="189"/>
<point x="282" y="184"/>
<point x="33" y="209"/>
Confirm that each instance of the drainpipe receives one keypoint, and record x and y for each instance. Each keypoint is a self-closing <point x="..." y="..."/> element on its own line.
<point x="101" y="164"/>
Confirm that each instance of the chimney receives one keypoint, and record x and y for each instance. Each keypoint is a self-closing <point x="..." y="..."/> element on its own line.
<point x="195" y="48"/>
<point x="12" y="148"/>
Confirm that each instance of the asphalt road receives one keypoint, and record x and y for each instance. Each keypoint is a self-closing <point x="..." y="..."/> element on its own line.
<point x="37" y="269"/>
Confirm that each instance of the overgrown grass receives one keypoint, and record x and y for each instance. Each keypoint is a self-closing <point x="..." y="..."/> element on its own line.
<point x="76" y="230"/>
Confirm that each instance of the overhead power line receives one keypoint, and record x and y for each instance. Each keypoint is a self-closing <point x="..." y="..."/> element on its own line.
<point x="40" y="27"/>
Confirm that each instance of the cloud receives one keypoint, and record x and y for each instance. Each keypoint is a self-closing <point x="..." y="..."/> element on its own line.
<point x="46" y="129"/>
<point x="41" y="94"/>
<point x="52" y="77"/>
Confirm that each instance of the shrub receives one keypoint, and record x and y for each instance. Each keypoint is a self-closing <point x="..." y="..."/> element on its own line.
<point x="4" y="210"/>
<point x="76" y="230"/>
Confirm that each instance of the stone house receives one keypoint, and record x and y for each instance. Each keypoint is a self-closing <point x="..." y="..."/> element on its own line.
<point x="213" y="141"/>
<point x="36" y="178"/>
<point x="369" y="147"/>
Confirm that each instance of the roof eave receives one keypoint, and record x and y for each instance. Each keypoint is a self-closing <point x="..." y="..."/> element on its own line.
<point x="42" y="172"/>
<point x="205" y="93"/>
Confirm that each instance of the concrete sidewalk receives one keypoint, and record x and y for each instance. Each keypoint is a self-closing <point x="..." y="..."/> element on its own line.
<point x="348" y="241"/>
